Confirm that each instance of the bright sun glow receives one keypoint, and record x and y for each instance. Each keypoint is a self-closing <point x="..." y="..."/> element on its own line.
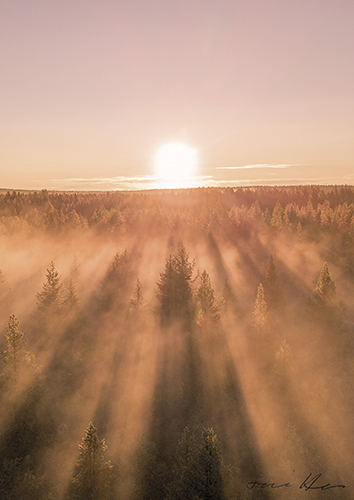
<point x="175" y="164"/>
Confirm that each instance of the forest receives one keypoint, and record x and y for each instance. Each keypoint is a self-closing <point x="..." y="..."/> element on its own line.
<point x="192" y="344"/>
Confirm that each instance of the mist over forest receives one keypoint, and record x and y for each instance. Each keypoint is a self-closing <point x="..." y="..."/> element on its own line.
<point x="177" y="344"/>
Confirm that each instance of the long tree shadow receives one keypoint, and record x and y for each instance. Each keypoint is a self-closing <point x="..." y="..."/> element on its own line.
<point x="225" y="408"/>
<point x="177" y="402"/>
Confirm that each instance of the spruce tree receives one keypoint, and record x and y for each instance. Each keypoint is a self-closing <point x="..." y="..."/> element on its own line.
<point x="51" y="295"/>
<point x="277" y="216"/>
<point x="174" y="289"/>
<point x="199" y="473"/>
<point x="325" y="290"/>
<point x="210" y="468"/>
<point x="116" y="282"/>
<point x="260" y="312"/>
<point x="71" y="300"/>
<point x="208" y="309"/>
<point x="93" y="479"/>
<point x="137" y="298"/>
<point x="14" y="352"/>
<point x="185" y="484"/>
<point x="20" y="481"/>
<point x="323" y="305"/>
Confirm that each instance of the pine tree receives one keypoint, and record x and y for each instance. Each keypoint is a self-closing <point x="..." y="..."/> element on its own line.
<point x="185" y="483"/>
<point x="137" y="299"/>
<point x="93" y="479"/>
<point x="20" y="481"/>
<point x="277" y="216"/>
<point x="325" y="288"/>
<point x="206" y="298"/>
<point x="14" y="352"/>
<point x="174" y="289"/>
<point x="260" y="313"/>
<point x="323" y="304"/>
<point x="71" y="300"/>
<point x="116" y="282"/>
<point x="51" y="295"/>
<point x="210" y="468"/>
<point x="199" y="473"/>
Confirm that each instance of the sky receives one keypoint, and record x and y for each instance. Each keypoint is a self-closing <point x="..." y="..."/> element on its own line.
<point x="261" y="90"/>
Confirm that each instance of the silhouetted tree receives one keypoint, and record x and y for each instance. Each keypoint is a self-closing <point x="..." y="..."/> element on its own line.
<point x="185" y="484"/>
<point x="323" y="304"/>
<point x="152" y="481"/>
<point x="71" y="300"/>
<point x="116" y="283"/>
<point x="199" y="472"/>
<point x="277" y="216"/>
<point x="14" y="353"/>
<point x="51" y="295"/>
<point x="19" y="481"/>
<point x="210" y="468"/>
<point x="93" y="479"/>
<point x="174" y="289"/>
<point x="325" y="290"/>
<point x="137" y="298"/>
<point x="260" y="312"/>
<point x="207" y="308"/>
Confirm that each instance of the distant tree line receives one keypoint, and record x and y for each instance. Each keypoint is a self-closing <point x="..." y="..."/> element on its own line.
<point x="298" y="209"/>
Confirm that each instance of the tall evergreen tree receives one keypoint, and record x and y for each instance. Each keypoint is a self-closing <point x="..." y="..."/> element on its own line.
<point x="210" y="468"/>
<point x="19" y="481"/>
<point x="199" y="473"/>
<point x="174" y="289"/>
<point x="186" y="481"/>
<point x="277" y="216"/>
<point x="14" y="352"/>
<point x="208" y="309"/>
<point x="51" y="295"/>
<point x="116" y="283"/>
<point x="71" y="301"/>
<point x="323" y="304"/>
<point x="260" y="312"/>
<point x="137" y="298"/>
<point x="93" y="479"/>
<point x="325" y="290"/>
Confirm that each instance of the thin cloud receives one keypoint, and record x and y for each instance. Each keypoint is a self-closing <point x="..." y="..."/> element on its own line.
<point x="110" y="180"/>
<point x="258" y="165"/>
<point x="126" y="183"/>
<point x="279" y="182"/>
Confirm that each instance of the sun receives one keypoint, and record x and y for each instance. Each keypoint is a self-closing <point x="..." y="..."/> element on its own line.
<point x="175" y="164"/>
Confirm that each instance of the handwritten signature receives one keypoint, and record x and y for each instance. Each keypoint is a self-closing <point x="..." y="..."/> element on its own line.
<point x="308" y="484"/>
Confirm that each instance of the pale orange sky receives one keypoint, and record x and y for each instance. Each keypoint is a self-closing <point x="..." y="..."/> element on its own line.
<point x="262" y="89"/>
